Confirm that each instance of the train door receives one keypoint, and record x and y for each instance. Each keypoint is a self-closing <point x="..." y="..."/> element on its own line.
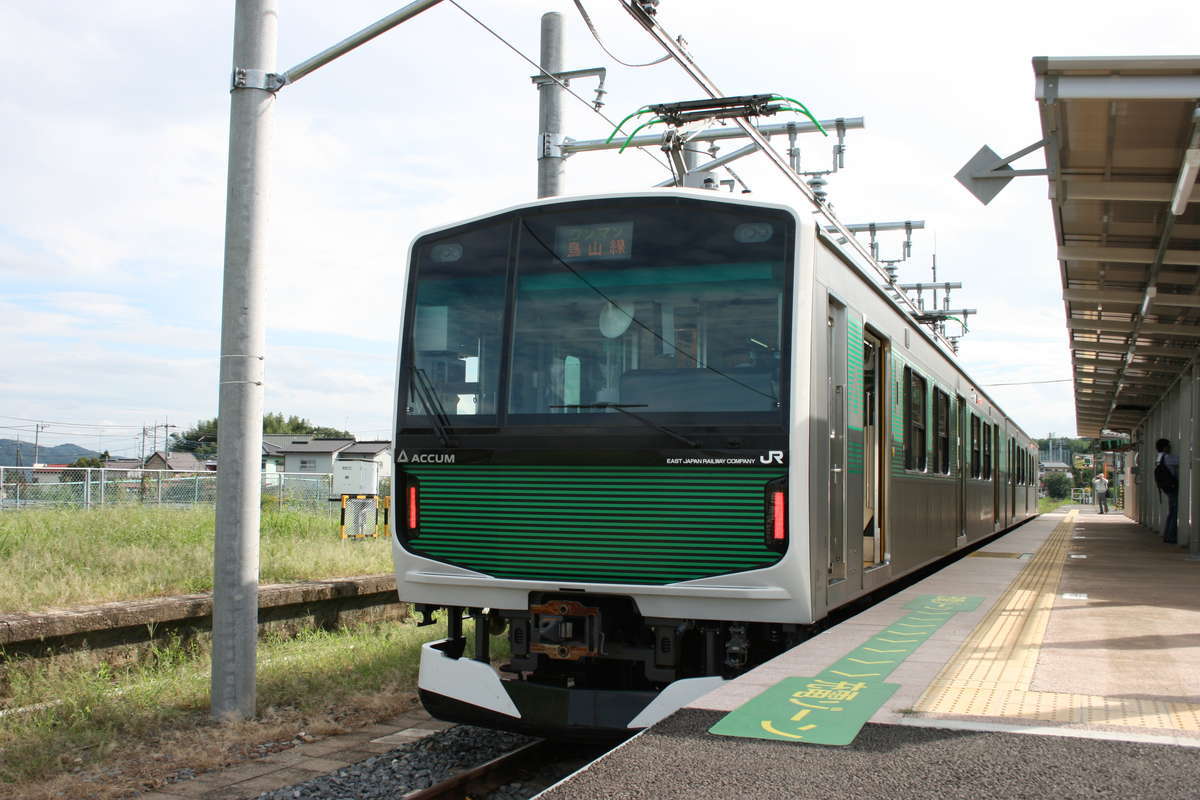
<point x="997" y="523"/>
<point x="961" y="456"/>
<point x="835" y="381"/>
<point x="1012" y="479"/>
<point x="874" y="356"/>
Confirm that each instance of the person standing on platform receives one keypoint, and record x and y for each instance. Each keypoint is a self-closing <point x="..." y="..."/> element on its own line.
<point x="1166" y="478"/>
<point x="1100" y="487"/>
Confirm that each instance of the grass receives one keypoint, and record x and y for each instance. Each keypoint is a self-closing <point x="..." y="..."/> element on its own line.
<point x="1048" y="504"/>
<point x="56" y="558"/>
<point x="102" y="731"/>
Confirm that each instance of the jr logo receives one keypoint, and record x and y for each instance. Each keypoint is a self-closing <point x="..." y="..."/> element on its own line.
<point x="772" y="457"/>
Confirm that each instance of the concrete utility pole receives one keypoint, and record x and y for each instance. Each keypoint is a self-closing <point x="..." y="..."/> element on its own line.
<point x="550" y="99"/>
<point x="239" y="437"/>
<point x="37" y="438"/>
<point x="243" y="340"/>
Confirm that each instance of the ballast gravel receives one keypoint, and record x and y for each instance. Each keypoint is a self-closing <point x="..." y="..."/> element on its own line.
<point x="407" y="768"/>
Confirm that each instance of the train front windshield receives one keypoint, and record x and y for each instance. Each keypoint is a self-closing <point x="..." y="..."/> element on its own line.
<point x="674" y="309"/>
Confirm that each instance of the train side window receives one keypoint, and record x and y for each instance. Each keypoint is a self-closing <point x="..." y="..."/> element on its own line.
<point x="915" y="438"/>
<point x="941" y="432"/>
<point x="975" y="446"/>
<point x="987" y="452"/>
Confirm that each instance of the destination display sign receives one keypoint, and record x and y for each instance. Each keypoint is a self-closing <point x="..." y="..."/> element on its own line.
<point x="609" y="241"/>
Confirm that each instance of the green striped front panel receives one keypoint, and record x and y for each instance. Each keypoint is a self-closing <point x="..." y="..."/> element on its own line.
<point x="644" y="525"/>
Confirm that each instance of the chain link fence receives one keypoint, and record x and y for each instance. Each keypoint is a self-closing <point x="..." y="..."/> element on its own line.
<point x="80" y="487"/>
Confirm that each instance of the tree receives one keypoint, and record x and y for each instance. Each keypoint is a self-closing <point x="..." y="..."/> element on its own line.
<point x="1083" y="475"/>
<point x="202" y="438"/>
<point x="94" y="463"/>
<point x="276" y="423"/>
<point x="1058" y="485"/>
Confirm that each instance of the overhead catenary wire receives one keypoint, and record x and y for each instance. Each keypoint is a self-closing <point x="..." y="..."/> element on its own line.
<point x="1030" y="383"/>
<point x="562" y="84"/>
<point x="648" y="21"/>
<point x="596" y="35"/>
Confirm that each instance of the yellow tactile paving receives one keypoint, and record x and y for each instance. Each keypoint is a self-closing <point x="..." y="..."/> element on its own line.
<point x="991" y="674"/>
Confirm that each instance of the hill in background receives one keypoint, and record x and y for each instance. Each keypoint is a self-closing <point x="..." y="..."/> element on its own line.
<point x="59" y="454"/>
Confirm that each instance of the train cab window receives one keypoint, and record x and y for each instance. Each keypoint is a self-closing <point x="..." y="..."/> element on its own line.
<point x="987" y="453"/>
<point x="653" y="307"/>
<point x="915" y="437"/>
<point x="941" y="432"/>
<point x="455" y="332"/>
<point x="976" y="465"/>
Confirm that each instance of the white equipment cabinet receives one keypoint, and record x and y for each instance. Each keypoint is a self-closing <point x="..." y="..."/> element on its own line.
<point x="355" y="477"/>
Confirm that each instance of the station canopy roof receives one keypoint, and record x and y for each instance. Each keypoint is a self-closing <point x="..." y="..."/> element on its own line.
<point x="1122" y="142"/>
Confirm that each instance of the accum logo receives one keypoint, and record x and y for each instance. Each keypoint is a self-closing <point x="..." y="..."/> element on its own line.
<point x="424" y="458"/>
<point x="772" y="457"/>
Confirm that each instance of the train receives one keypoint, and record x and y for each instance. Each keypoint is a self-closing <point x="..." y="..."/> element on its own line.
<point x="655" y="439"/>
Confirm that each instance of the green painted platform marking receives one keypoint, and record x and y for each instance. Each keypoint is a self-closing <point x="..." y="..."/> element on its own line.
<point x="832" y="707"/>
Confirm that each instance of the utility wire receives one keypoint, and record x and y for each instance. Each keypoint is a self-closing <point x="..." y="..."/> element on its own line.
<point x="1030" y="383"/>
<point x="596" y="35"/>
<point x="562" y="84"/>
<point x="73" y="424"/>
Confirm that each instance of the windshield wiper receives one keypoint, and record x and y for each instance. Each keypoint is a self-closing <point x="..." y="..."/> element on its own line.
<point x="434" y="409"/>
<point x="624" y="409"/>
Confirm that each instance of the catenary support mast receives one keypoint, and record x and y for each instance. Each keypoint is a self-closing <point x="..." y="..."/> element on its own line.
<point x="235" y="562"/>
<point x="550" y="97"/>
<point x="239" y="436"/>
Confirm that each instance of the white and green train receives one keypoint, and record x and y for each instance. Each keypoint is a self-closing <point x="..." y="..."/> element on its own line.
<point x="657" y="437"/>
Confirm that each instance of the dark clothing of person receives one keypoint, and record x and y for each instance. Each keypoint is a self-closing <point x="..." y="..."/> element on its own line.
<point x="1171" y="526"/>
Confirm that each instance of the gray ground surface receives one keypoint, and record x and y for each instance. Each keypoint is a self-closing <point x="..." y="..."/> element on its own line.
<point x="679" y="759"/>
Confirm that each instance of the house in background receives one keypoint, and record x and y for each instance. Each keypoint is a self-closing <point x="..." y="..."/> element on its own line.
<point x="180" y="462"/>
<point x="123" y="464"/>
<point x="54" y="473"/>
<point x="273" y="459"/>
<point x="378" y="451"/>
<point x="303" y="453"/>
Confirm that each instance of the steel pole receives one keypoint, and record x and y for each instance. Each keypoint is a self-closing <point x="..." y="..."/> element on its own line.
<point x="550" y="97"/>
<point x="239" y="435"/>
<point x="1193" y="429"/>
<point x="362" y="37"/>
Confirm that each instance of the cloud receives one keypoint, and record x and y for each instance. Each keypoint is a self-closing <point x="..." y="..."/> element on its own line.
<point x="111" y="249"/>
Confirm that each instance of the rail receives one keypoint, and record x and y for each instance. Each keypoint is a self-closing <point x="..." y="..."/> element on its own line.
<point x="487" y="776"/>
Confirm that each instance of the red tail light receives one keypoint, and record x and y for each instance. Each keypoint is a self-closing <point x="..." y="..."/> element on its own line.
<point x="775" y="533"/>
<point x="412" y="507"/>
<point x="778" y="533"/>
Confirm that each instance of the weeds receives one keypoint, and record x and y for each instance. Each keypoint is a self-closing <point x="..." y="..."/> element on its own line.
<point x="78" y="726"/>
<point x="55" y="558"/>
<point x="1049" y="504"/>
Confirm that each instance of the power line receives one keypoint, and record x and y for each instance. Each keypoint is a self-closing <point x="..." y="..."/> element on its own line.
<point x="596" y="35"/>
<point x="563" y="85"/>
<point x="1030" y="383"/>
<point x="72" y="424"/>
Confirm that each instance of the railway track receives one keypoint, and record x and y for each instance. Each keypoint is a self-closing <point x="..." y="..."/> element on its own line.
<point x="486" y="777"/>
<point x="458" y="763"/>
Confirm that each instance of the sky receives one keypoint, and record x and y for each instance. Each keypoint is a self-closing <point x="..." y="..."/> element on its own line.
<point x="113" y="162"/>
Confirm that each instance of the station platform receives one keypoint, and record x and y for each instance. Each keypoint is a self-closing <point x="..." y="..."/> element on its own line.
<point x="1060" y="660"/>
